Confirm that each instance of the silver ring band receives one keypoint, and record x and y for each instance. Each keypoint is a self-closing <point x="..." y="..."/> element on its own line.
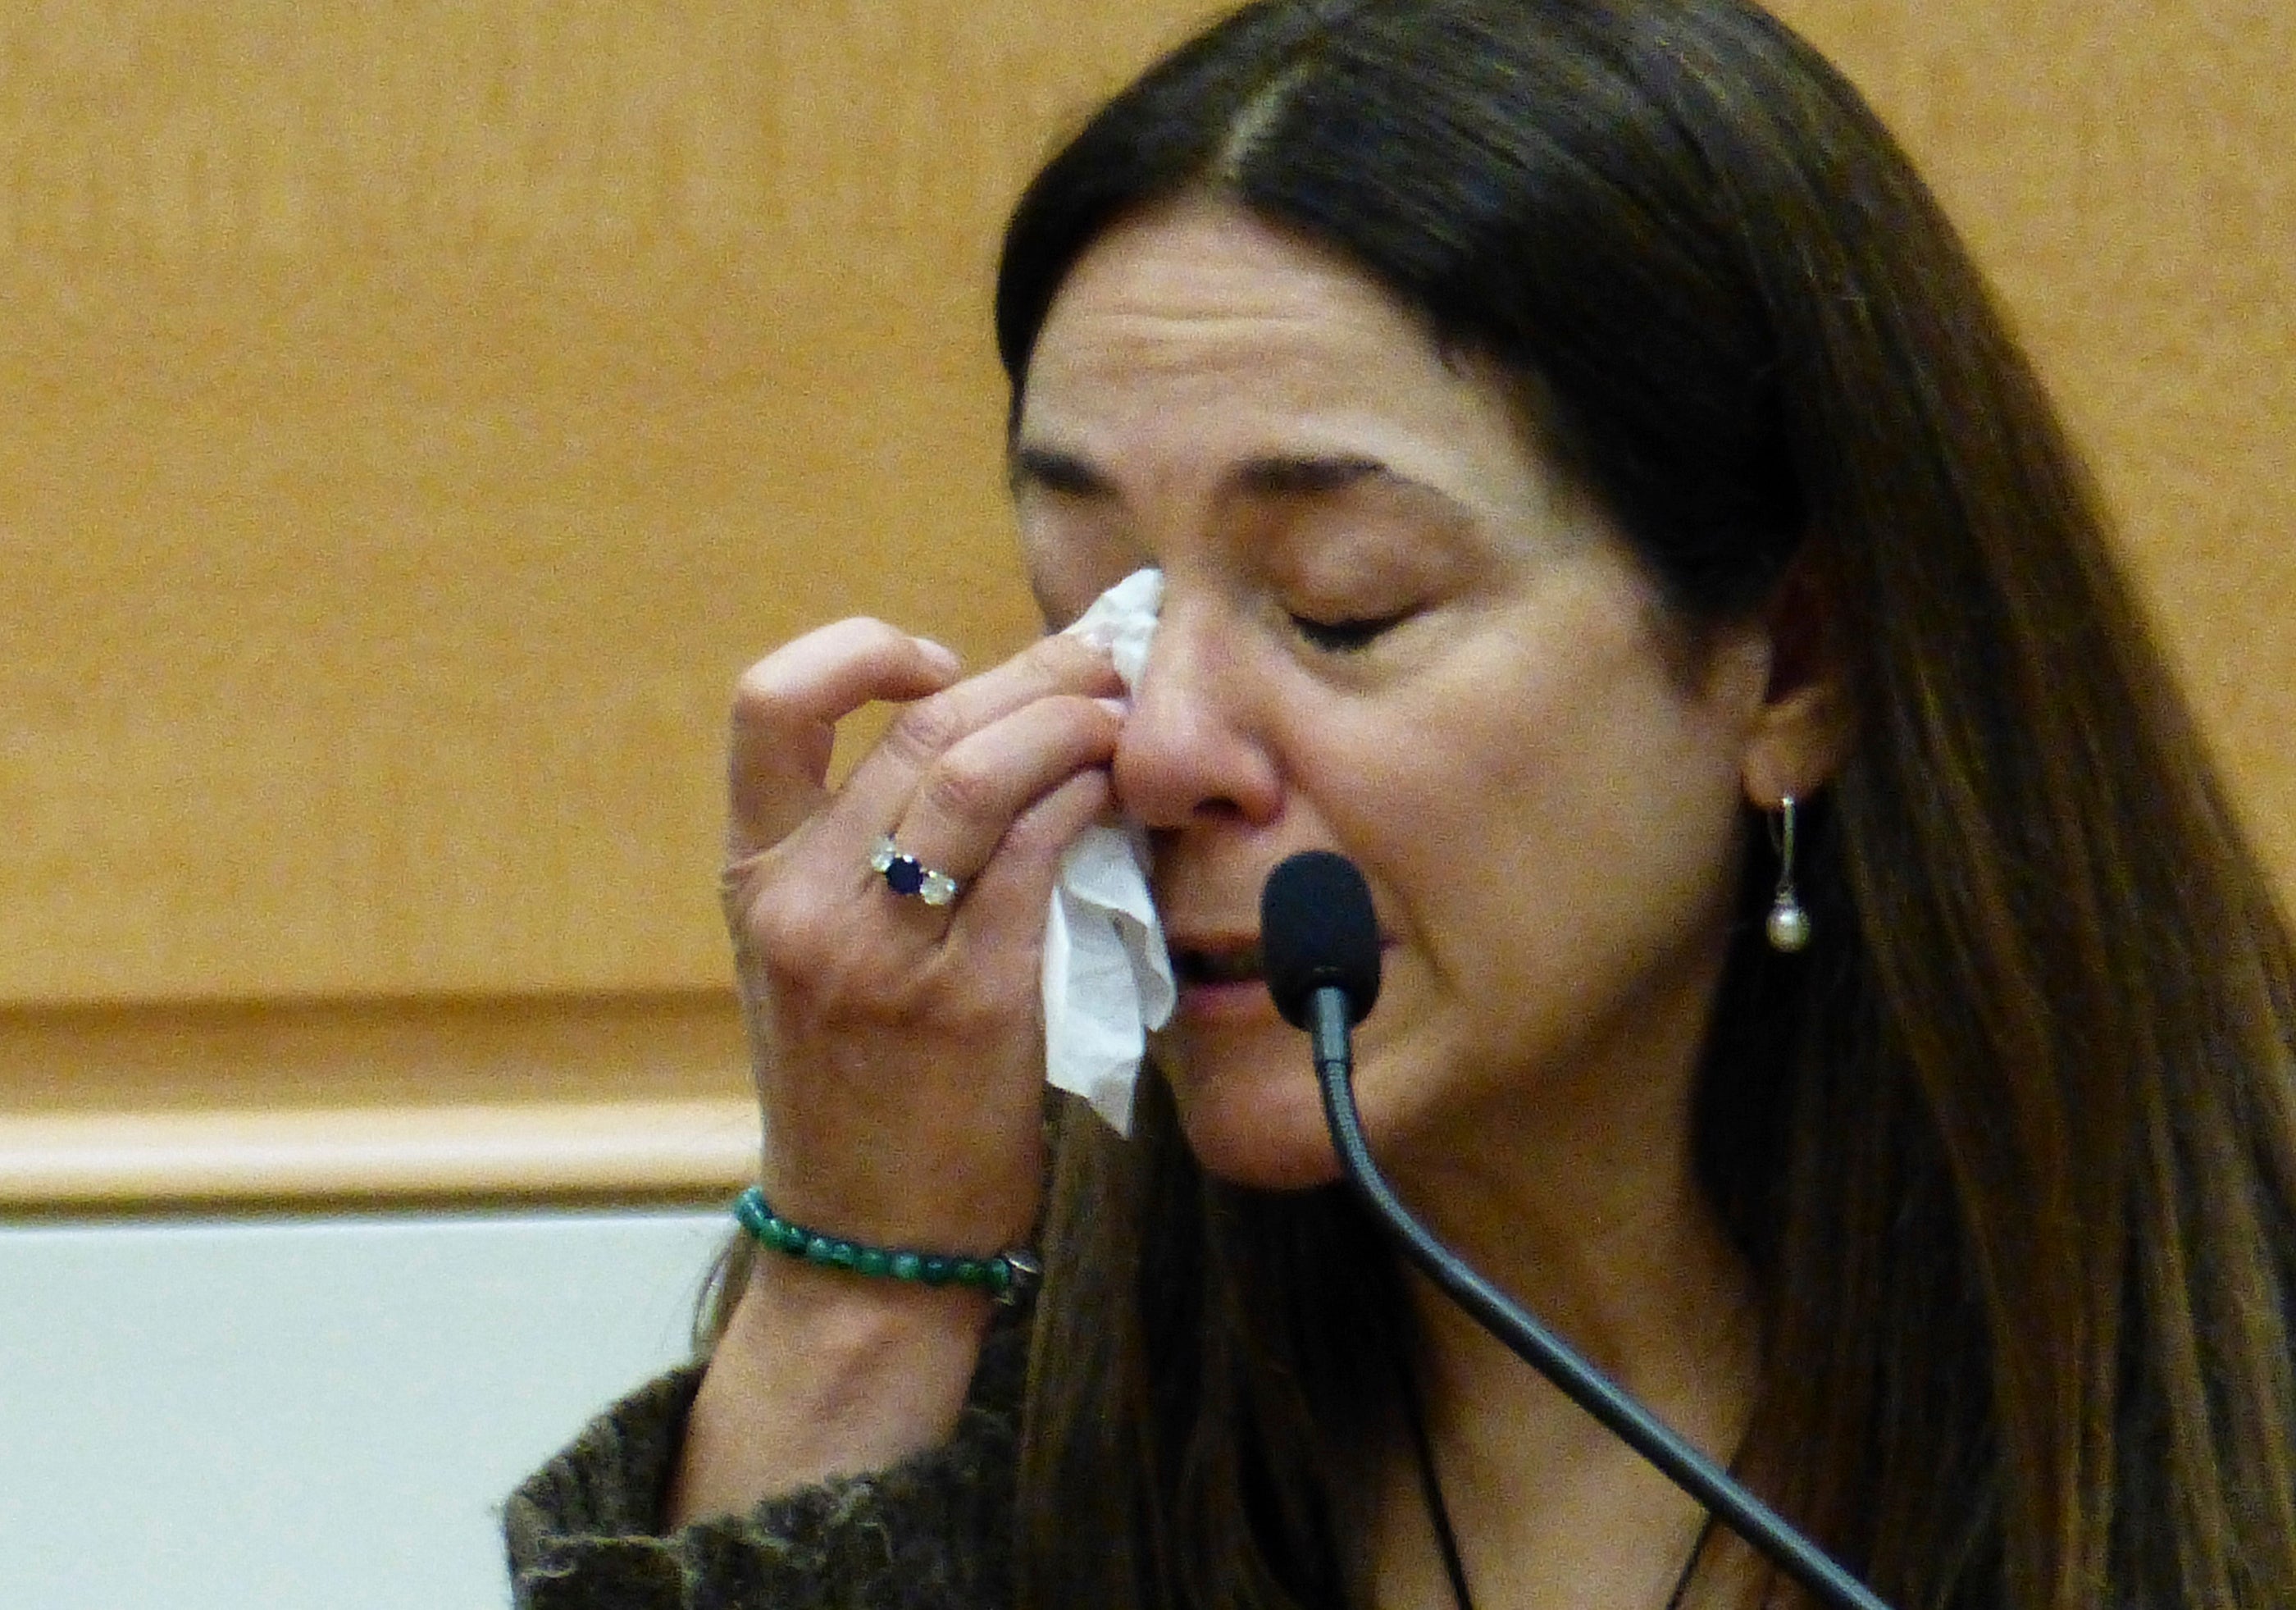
<point x="905" y="874"/>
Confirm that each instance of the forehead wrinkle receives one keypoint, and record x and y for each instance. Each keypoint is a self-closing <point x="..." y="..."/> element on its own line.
<point x="1294" y="382"/>
<point x="1122" y="384"/>
<point x="1303" y="460"/>
<point x="1187" y="356"/>
<point x="1148" y="272"/>
<point x="1280" y="477"/>
<point x="1298" y="417"/>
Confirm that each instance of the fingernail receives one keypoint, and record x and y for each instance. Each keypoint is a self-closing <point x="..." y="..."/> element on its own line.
<point x="943" y="658"/>
<point x="1118" y="708"/>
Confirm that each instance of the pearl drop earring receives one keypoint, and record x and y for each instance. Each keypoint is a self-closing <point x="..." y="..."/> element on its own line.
<point x="1789" y="923"/>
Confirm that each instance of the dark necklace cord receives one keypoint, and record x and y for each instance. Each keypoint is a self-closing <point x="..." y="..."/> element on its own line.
<point x="1796" y="1555"/>
<point x="1431" y="1486"/>
<point x="1320" y="937"/>
<point x="1447" y="1538"/>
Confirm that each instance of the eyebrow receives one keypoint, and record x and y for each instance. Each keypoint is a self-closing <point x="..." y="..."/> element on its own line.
<point x="1277" y="475"/>
<point x="1047" y="470"/>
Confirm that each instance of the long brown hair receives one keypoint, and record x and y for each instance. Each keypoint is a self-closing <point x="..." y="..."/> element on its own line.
<point x="2011" y="1149"/>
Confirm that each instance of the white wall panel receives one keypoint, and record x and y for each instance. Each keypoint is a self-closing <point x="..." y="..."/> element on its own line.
<point x="311" y="1411"/>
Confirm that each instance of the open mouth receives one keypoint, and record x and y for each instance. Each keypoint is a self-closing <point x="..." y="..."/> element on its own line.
<point x="1238" y="965"/>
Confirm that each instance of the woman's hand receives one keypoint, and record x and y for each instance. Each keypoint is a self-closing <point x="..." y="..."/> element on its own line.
<point x="897" y="1046"/>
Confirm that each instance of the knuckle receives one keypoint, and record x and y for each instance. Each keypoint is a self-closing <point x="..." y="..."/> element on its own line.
<point x="759" y="693"/>
<point x="1065" y="653"/>
<point x="924" y="731"/>
<point x="960" y="788"/>
<point x="780" y="919"/>
<point x="978" y="1006"/>
<point x="811" y="973"/>
<point x="786" y="937"/>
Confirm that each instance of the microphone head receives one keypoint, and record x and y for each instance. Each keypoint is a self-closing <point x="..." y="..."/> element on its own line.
<point x="1317" y="928"/>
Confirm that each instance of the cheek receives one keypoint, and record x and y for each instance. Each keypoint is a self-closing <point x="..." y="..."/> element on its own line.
<point x="1593" y="800"/>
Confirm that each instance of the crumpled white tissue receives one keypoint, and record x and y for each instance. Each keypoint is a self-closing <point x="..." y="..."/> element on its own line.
<point x="1108" y="979"/>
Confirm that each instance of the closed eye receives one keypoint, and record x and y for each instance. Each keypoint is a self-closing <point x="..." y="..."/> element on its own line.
<point x="1343" y="637"/>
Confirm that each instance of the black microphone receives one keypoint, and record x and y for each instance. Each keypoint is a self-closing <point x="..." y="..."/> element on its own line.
<point x="1320" y="939"/>
<point x="1319" y="945"/>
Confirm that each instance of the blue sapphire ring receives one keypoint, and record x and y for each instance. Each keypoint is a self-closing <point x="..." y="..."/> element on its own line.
<point x="905" y="875"/>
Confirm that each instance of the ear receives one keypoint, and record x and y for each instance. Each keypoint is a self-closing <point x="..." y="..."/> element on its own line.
<point x="1800" y="730"/>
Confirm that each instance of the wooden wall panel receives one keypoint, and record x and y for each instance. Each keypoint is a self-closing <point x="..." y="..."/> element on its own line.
<point x="423" y="410"/>
<point x="2126" y="170"/>
<point x="416" y="416"/>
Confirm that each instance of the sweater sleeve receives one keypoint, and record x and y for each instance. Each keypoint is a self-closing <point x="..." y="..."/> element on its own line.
<point x="932" y="1533"/>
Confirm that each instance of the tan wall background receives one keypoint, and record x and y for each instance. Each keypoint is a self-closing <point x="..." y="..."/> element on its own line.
<point x="414" y="417"/>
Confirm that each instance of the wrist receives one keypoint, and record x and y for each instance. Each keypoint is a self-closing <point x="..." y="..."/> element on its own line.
<point x="1007" y="1276"/>
<point x="823" y="1373"/>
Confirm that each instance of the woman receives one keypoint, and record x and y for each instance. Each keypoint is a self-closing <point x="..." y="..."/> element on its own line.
<point x="1569" y="433"/>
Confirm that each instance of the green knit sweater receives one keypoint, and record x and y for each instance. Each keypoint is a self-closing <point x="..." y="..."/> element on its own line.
<point x="932" y="1533"/>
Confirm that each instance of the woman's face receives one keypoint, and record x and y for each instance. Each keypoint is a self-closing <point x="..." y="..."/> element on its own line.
<point x="1389" y="629"/>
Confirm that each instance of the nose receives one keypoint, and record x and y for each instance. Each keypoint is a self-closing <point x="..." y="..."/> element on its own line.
<point x="1192" y="751"/>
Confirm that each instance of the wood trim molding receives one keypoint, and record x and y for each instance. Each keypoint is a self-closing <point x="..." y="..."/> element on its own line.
<point x="165" y="1106"/>
<point x="115" y="1161"/>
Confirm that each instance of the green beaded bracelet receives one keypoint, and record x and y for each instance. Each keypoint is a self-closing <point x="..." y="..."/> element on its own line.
<point x="1004" y="1276"/>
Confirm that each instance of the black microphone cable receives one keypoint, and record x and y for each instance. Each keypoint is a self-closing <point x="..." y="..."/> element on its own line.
<point x="1321" y="941"/>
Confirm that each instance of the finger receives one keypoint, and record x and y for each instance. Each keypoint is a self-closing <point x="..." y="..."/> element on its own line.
<point x="786" y="708"/>
<point x="880" y="786"/>
<point x="1009" y="897"/>
<point x="969" y="797"/>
